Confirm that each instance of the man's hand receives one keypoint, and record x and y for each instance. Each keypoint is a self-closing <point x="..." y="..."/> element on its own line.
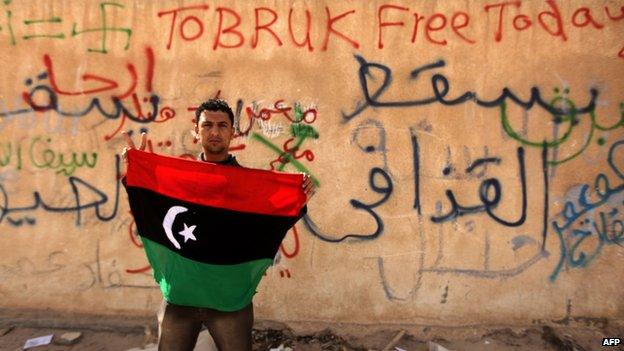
<point x="130" y="144"/>
<point x="308" y="187"/>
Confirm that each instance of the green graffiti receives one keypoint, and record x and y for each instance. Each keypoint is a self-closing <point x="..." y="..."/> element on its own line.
<point x="616" y="125"/>
<point x="51" y="20"/>
<point x="7" y="155"/>
<point x="301" y="132"/>
<point x="19" y="157"/>
<point x="104" y="29"/>
<point x="9" y="15"/>
<point x="298" y="113"/>
<point x="43" y="157"/>
<point x="49" y="36"/>
<point x="571" y="119"/>
<point x="286" y="156"/>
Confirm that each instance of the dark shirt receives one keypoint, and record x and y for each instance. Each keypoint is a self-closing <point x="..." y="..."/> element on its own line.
<point x="230" y="161"/>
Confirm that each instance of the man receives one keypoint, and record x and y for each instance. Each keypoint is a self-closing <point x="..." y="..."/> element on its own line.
<point x="214" y="129"/>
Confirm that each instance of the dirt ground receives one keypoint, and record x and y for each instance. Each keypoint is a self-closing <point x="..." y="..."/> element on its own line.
<point x="108" y="333"/>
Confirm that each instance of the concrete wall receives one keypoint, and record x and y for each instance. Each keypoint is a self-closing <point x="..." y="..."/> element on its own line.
<point x="469" y="153"/>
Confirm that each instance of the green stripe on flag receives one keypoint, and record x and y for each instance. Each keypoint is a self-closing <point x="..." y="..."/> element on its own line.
<point x="190" y="283"/>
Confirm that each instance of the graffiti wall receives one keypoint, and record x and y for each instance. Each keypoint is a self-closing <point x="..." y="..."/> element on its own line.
<point x="469" y="155"/>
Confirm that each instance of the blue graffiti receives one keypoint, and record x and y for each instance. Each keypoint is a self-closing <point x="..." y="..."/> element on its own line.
<point x="584" y="219"/>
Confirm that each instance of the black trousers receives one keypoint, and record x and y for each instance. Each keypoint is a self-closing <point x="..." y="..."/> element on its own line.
<point x="181" y="325"/>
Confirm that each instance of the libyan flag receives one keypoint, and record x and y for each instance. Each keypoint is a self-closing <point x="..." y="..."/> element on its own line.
<point x="210" y="231"/>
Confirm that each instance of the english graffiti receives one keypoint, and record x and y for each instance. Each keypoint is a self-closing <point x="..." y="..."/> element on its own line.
<point x="231" y="30"/>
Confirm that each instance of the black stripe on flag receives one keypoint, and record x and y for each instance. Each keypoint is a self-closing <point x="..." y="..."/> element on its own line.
<point x="204" y="233"/>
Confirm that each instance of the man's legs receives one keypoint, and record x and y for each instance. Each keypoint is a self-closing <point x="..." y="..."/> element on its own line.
<point x="179" y="328"/>
<point x="231" y="331"/>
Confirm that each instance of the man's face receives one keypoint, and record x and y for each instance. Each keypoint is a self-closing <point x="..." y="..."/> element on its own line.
<point x="215" y="132"/>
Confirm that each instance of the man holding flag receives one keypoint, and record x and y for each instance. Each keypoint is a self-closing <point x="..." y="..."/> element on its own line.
<point x="210" y="230"/>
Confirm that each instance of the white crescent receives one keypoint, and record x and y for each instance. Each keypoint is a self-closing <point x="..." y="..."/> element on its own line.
<point x="168" y="223"/>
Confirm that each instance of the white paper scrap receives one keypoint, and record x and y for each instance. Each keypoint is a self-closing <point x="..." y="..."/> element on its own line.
<point x="42" y="340"/>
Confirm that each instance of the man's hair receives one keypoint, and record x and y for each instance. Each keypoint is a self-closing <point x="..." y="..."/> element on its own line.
<point x="214" y="105"/>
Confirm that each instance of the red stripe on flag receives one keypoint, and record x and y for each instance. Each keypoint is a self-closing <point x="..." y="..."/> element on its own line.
<point x="234" y="188"/>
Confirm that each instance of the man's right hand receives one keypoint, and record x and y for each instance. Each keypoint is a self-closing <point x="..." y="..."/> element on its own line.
<point x="130" y="144"/>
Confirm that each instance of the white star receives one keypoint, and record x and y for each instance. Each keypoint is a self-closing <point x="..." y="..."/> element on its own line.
<point x="187" y="233"/>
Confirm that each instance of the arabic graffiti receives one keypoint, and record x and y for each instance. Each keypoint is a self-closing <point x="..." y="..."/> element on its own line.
<point x="300" y="129"/>
<point x="572" y="120"/>
<point x="94" y="272"/>
<point x="379" y="180"/>
<point x="440" y="87"/>
<point x="80" y="189"/>
<point x="592" y="220"/>
<point x="41" y="155"/>
<point x="488" y="200"/>
<point x="55" y="261"/>
<point x="46" y="96"/>
<point x="563" y="111"/>
<point x="108" y="278"/>
<point x="47" y="122"/>
<point x="436" y="249"/>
